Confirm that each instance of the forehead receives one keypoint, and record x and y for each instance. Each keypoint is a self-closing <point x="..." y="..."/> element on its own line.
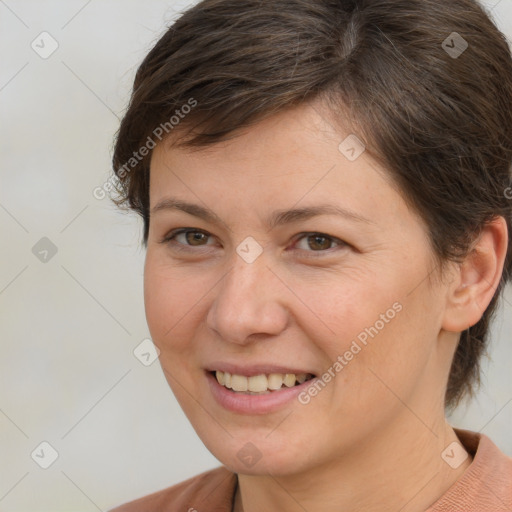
<point x="287" y="144"/>
<point x="296" y="157"/>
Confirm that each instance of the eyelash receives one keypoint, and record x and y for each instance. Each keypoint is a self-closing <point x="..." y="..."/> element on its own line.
<point x="169" y="239"/>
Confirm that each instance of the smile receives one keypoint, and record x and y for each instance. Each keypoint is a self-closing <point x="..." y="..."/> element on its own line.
<point x="257" y="393"/>
<point x="260" y="384"/>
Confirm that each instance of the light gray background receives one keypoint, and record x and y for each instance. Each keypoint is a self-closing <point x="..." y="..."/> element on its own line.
<point x="69" y="326"/>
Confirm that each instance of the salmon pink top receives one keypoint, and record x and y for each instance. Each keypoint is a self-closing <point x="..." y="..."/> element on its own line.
<point x="486" y="486"/>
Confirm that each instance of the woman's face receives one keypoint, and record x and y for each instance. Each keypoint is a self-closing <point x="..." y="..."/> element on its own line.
<point x="252" y="290"/>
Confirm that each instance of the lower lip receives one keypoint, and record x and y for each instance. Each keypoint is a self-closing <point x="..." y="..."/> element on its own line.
<point x="254" y="404"/>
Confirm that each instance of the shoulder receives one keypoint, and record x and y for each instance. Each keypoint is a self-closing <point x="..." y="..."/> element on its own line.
<point x="212" y="490"/>
<point x="486" y="484"/>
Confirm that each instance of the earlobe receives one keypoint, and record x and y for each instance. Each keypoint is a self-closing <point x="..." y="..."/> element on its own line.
<point x="477" y="278"/>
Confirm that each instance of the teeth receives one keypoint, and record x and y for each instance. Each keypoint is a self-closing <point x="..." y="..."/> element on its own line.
<point x="289" y="380"/>
<point x="301" y="377"/>
<point x="238" y="383"/>
<point x="257" y="383"/>
<point x="260" y="383"/>
<point x="275" y="381"/>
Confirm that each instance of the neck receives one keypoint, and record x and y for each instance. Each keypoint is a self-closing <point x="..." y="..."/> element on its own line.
<point x="401" y="469"/>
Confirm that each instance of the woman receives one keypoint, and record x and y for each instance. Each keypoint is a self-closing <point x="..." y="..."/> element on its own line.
<point x="323" y="186"/>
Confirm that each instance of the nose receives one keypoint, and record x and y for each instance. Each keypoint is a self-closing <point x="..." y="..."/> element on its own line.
<point x="249" y="303"/>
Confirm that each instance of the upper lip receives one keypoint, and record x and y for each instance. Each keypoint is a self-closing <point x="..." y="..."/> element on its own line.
<point x="253" y="369"/>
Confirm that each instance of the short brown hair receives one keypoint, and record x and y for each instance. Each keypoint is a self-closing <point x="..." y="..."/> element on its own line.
<point x="426" y="83"/>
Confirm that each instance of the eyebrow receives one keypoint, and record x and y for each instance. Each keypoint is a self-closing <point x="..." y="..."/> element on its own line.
<point x="277" y="218"/>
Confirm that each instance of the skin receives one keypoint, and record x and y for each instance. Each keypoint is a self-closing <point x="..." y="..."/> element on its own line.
<point x="372" y="438"/>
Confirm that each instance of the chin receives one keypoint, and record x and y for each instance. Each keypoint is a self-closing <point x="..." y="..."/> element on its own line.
<point x="255" y="455"/>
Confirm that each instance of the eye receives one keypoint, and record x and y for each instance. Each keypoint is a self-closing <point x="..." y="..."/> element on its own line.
<point x="186" y="237"/>
<point x="317" y="242"/>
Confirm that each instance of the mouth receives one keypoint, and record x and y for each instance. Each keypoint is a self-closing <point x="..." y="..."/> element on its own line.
<point x="258" y="389"/>
<point x="261" y="384"/>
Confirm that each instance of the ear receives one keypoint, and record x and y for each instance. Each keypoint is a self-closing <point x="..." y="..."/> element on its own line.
<point x="477" y="278"/>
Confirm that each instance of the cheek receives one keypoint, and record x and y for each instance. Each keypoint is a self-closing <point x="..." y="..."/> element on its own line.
<point x="172" y="300"/>
<point x="350" y="310"/>
<point x="392" y="358"/>
<point x="172" y="305"/>
<point x="380" y="329"/>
